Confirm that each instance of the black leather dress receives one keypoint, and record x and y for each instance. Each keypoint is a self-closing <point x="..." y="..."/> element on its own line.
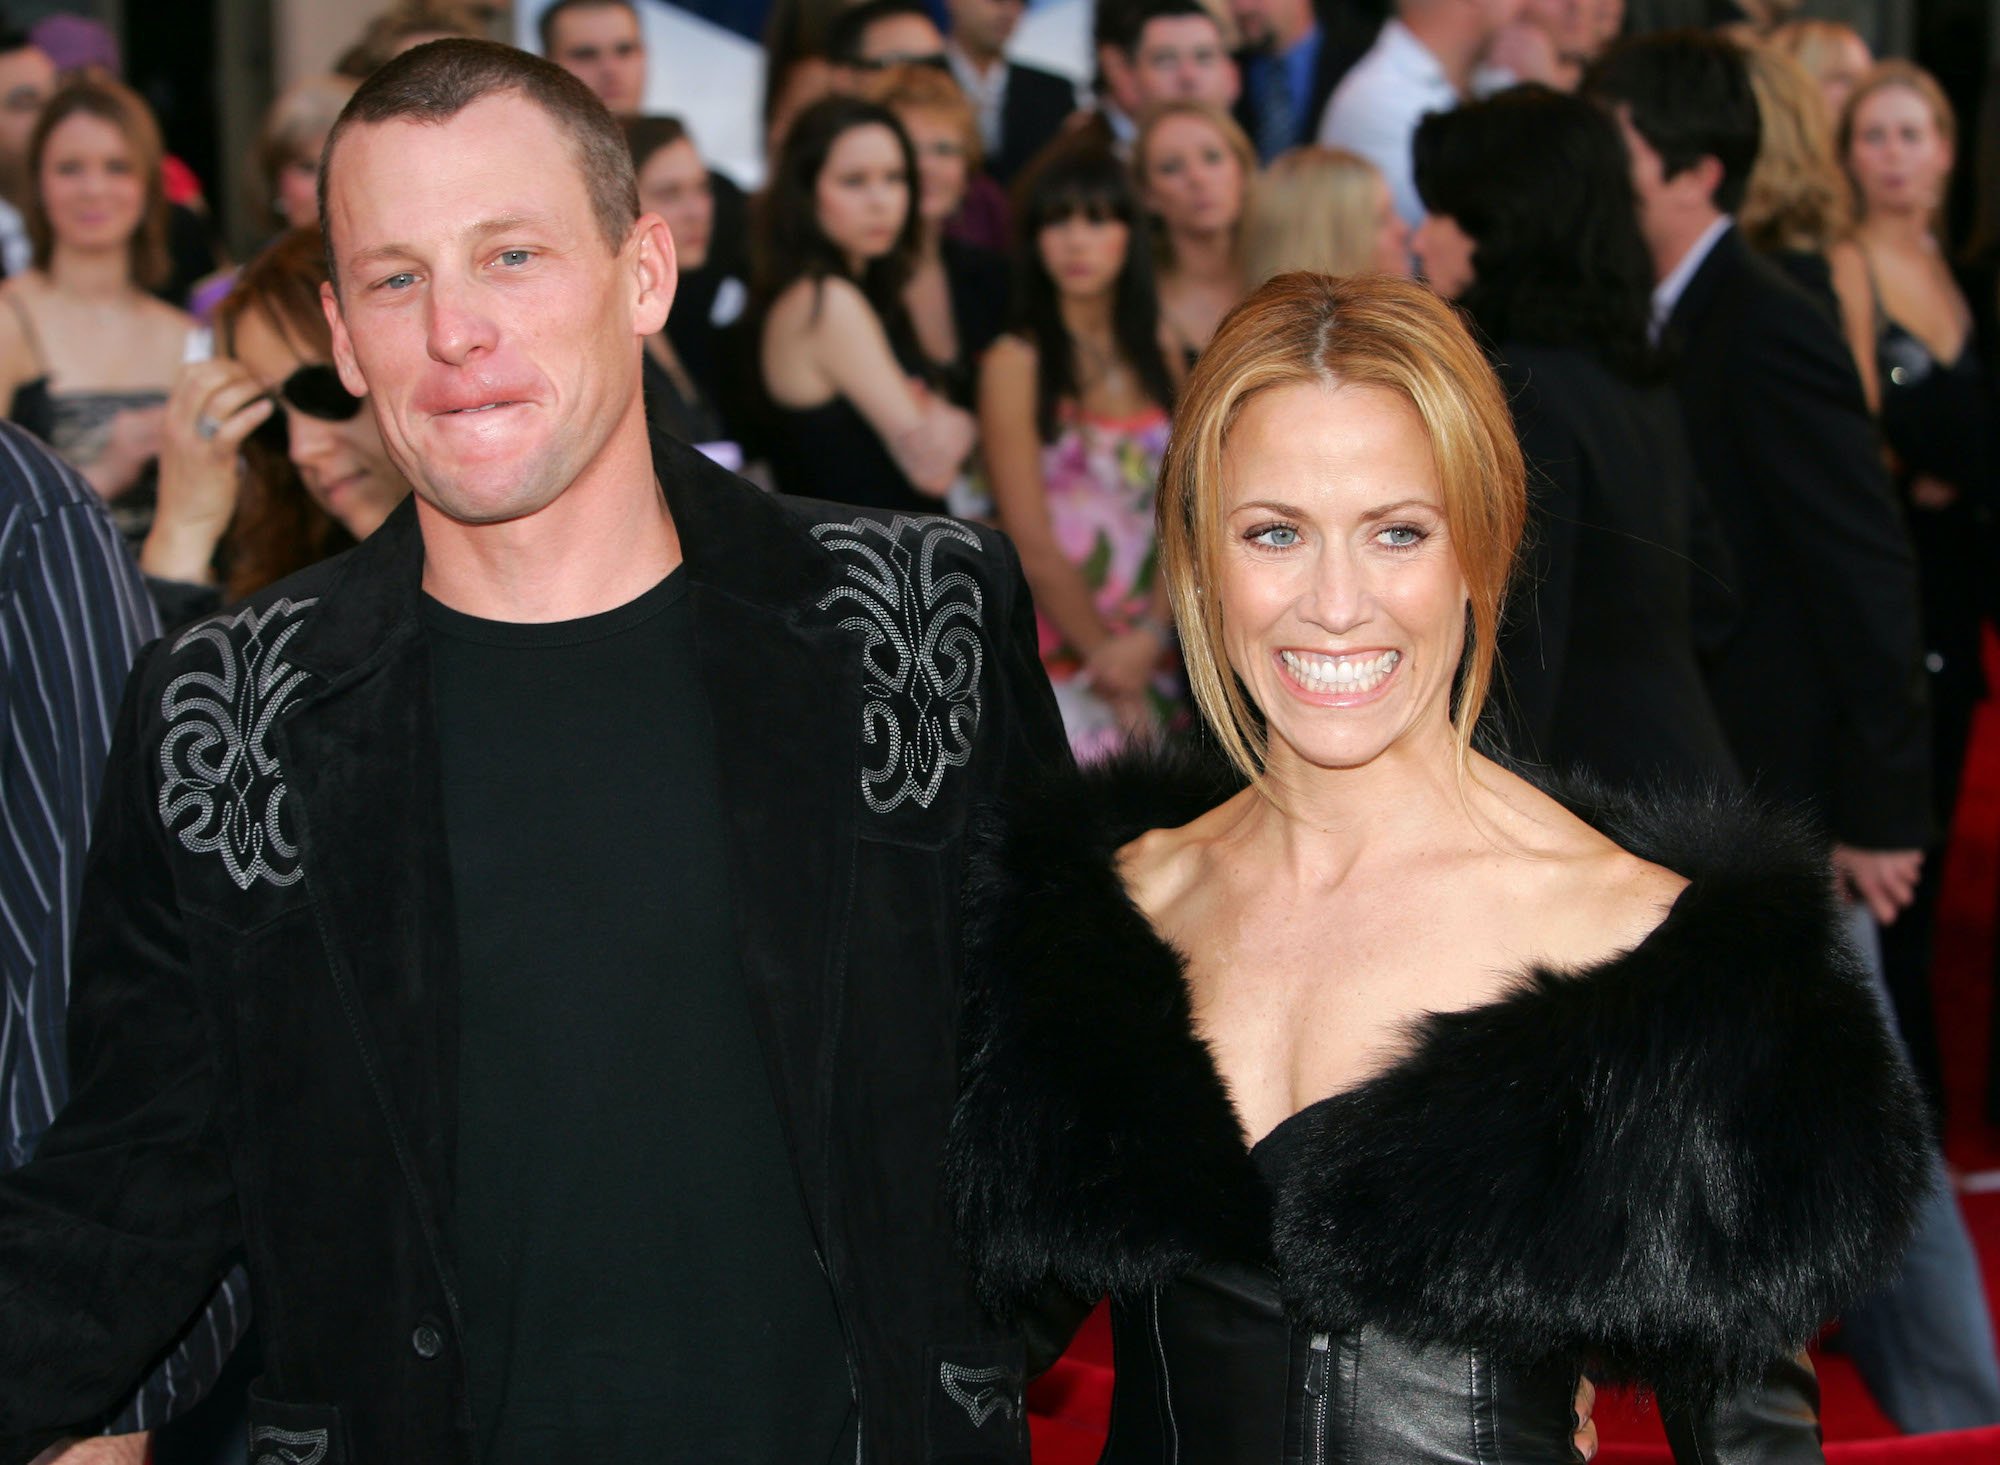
<point x="1669" y="1168"/>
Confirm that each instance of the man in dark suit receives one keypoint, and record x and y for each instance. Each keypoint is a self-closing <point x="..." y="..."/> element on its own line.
<point x="1019" y="107"/>
<point x="1820" y="681"/>
<point x="1294" y="54"/>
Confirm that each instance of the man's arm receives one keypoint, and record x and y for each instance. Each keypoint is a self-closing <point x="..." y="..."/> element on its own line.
<point x="1812" y="449"/>
<point x="116" y="1233"/>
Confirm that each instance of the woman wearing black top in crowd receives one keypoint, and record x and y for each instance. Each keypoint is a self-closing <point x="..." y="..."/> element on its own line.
<point x="854" y="417"/>
<point x="1532" y="229"/>
<point x="957" y="292"/>
<point x="1896" y="140"/>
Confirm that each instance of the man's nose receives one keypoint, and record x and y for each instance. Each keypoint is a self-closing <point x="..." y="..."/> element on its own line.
<point x="458" y="323"/>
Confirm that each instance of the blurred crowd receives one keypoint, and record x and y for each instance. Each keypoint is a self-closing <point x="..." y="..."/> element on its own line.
<point x="1751" y="363"/>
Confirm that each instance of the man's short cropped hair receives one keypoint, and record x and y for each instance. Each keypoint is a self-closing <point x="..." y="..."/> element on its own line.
<point x="1121" y="23"/>
<point x="436" y="81"/>
<point x="848" y="29"/>
<point x="546" y="25"/>
<point x="1689" y="96"/>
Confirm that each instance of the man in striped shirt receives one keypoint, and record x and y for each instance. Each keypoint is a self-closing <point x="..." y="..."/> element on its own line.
<point x="73" y="614"/>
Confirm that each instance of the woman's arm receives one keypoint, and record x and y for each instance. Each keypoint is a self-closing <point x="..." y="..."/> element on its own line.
<point x="1851" y="287"/>
<point x="1013" y="446"/>
<point x="845" y="349"/>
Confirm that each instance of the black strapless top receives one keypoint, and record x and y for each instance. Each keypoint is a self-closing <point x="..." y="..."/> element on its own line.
<point x="1211" y="1368"/>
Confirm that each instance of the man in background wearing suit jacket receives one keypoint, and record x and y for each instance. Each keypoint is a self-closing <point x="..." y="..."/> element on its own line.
<point x="1294" y="54"/>
<point x="1820" y="682"/>
<point x="1019" y="107"/>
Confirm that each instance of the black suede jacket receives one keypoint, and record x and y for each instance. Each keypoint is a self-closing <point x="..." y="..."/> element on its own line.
<point x="263" y="1029"/>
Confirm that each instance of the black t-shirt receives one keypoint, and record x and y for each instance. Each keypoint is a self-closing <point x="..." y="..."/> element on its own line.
<point x="637" y="1274"/>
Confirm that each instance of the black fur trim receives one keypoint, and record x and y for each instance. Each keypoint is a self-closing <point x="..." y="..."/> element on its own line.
<point x="1678" y="1163"/>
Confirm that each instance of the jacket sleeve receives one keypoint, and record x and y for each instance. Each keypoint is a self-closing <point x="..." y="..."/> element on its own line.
<point x="1034" y="734"/>
<point x="119" y="1229"/>
<point x="1535" y="639"/>
<point x="1814" y="448"/>
<point x="1773" y="1420"/>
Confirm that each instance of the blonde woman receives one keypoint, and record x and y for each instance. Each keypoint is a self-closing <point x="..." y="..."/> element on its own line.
<point x="1195" y="168"/>
<point x="1323" y="209"/>
<point x="1379" y="1089"/>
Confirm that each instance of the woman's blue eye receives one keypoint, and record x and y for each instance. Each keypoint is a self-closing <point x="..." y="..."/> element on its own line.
<point x="1402" y="536"/>
<point x="1277" y="536"/>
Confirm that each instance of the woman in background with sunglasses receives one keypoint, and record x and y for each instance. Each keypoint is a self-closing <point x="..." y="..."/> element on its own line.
<point x="268" y="462"/>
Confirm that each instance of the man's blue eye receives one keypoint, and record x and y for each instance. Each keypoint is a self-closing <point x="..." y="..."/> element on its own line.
<point x="401" y="281"/>
<point x="514" y="257"/>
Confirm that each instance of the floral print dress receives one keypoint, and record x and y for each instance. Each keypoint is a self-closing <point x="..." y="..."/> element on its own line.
<point x="1100" y="476"/>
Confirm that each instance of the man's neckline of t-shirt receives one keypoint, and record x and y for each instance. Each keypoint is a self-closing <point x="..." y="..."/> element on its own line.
<point x="441" y="619"/>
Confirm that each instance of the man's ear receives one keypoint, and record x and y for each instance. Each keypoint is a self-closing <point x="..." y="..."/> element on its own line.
<point x="655" y="273"/>
<point x="1707" y="173"/>
<point x="343" y="346"/>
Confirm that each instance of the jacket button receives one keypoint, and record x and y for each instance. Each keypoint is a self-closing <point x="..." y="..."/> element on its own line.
<point x="427" y="1341"/>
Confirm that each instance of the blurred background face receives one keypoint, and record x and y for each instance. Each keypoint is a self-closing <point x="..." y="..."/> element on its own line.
<point x="674" y="184"/>
<point x="863" y="193"/>
<point x="1084" y="255"/>
<point x="1194" y="181"/>
<point x="342" y="464"/>
<point x="1898" y="156"/>
<point x="600" y="45"/>
<point x="90" y="184"/>
<point x="943" y="171"/>
<point x="1181" y="57"/>
<point x="298" y="185"/>
<point x="983" y="27"/>
<point x="1846" y="62"/>
<point x="1444" y="253"/>
<point x="27" y="78"/>
<point x="1392" y="236"/>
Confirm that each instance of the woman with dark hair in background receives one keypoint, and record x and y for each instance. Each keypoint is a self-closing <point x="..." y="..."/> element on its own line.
<point x="957" y="294"/>
<point x="1533" y="229"/>
<point x="86" y="352"/>
<point x="1073" y="415"/>
<point x="269" y="463"/>
<point x="1195" y="167"/>
<point x="674" y="183"/>
<point x="854" y="418"/>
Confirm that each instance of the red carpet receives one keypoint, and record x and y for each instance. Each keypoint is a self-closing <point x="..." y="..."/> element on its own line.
<point x="1070" y="1407"/>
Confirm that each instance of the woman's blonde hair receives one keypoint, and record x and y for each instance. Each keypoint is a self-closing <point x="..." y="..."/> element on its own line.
<point x="1233" y="137"/>
<point x="1368" y="330"/>
<point x="1886" y="76"/>
<point x="1815" y="44"/>
<point x="927" y="89"/>
<point x="1315" y="209"/>
<point x="1797" y="196"/>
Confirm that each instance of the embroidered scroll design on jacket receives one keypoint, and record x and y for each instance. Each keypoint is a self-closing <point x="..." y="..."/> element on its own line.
<point x="980" y="1392"/>
<point x="922" y="650"/>
<point x="289" y="1446"/>
<point x="222" y="791"/>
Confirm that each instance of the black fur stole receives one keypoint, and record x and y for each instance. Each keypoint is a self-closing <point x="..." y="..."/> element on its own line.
<point x="1678" y="1163"/>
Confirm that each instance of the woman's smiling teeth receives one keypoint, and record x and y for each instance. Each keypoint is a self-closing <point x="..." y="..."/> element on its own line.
<point x="1340" y="673"/>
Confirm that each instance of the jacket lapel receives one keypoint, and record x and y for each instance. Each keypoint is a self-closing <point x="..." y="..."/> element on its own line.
<point x="361" y="759"/>
<point x="784" y="694"/>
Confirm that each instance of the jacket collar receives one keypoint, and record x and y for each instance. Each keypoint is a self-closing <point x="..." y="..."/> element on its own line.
<point x="735" y="540"/>
<point x="1649" y="1160"/>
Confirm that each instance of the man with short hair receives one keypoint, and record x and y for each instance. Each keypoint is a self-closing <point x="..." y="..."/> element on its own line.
<point x="878" y="34"/>
<point x="1019" y="108"/>
<point x="27" y="80"/>
<point x="1425" y="60"/>
<point x="1294" y="54"/>
<point x="1151" y="51"/>
<point x="600" y="43"/>
<point x="1820" y="681"/>
<point x="532" y="937"/>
